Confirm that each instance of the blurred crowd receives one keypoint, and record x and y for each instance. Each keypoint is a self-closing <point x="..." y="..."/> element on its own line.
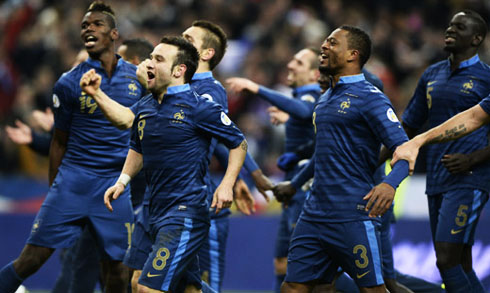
<point x="40" y="40"/>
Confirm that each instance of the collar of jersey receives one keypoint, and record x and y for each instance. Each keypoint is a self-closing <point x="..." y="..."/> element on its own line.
<point x="97" y="63"/>
<point x="172" y="90"/>
<point x="307" y="88"/>
<point x="351" y="78"/>
<point x="469" y="62"/>
<point x="202" y="75"/>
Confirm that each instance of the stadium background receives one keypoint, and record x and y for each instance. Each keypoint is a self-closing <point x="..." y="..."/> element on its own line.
<point x="40" y="39"/>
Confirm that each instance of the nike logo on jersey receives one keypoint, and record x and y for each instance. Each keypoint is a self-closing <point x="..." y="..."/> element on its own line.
<point x="455" y="231"/>
<point x="143" y="116"/>
<point x="149" y="275"/>
<point x="362" y="275"/>
<point x="431" y="82"/>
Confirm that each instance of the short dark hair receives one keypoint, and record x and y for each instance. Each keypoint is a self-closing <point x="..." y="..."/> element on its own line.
<point x="187" y="54"/>
<point x="214" y="38"/>
<point x="480" y="26"/>
<point x="315" y="62"/>
<point x="359" y="40"/>
<point x="138" y="47"/>
<point x="100" y="6"/>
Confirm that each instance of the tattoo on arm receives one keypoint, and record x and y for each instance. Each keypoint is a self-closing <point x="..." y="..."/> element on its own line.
<point x="244" y="145"/>
<point x="450" y="134"/>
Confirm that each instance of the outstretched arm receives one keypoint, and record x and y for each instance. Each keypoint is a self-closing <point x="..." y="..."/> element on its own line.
<point x="120" y="116"/>
<point x="454" y="128"/>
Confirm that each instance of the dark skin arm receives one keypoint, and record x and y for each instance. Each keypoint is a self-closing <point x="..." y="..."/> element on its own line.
<point x="463" y="163"/>
<point x="56" y="152"/>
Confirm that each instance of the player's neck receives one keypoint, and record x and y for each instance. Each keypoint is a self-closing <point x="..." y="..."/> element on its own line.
<point x="346" y="72"/>
<point x="108" y="61"/>
<point x="160" y="94"/>
<point x="457" y="58"/>
<point x="203" y="67"/>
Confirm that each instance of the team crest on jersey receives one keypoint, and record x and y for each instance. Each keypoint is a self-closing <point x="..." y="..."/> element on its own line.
<point x="179" y="116"/>
<point x="391" y="115"/>
<point x="133" y="88"/>
<point x="344" y="106"/>
<point x="467" y="86"/>
<point x="308" y="98"/>
<point x="224" y="119"/>
<point x="56" y="101"/>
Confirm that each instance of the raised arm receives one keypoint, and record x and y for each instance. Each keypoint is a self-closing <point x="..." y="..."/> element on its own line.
<point x="460" y="125"/>
<point x="120" y="116"/>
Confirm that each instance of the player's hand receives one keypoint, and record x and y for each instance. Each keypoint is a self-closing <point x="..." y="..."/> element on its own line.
<point x="287" y="161"/>
<point x="21" y="134"/>
<point x="112" y="193"/>
<point x="90" y="82"/>
<point x="239" y="84"/>
<point x="262" y="182"/>
<point x="43" y="119"/>
<point x="380" y="199"/>
<point x="284" y="191"/>
<point x="457" y="163"/>
<point x="243" y="198"/>
<point x="277" y="116"/>
<point x="222" y="198"/>
<point x="407" y="151"/>
<point x="142" y="73"/>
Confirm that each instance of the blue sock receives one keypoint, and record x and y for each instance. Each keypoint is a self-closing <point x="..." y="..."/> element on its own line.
<point x="9" y="280"/>
<point x="455" y="280"/>
<point x="278" y="283"/>
<point x="206" y="288"/>
<point x="476" y="285"/>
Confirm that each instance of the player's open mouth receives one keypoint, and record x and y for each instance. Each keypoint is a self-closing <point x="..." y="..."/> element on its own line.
<point x="90" y="41"/>
<point x="150" y="75"/>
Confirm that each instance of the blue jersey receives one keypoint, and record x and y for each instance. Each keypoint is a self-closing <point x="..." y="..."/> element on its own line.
<point x="351" y="120"/>
<point x="94" y="144"/>
<point x="174" y="139"/>
<point x="485" y="104"/>
<point x="299" y="129"/>
<point x="440" y="95"/>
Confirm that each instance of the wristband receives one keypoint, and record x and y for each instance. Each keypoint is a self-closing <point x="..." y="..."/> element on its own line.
<point x="124" y="179"/>
<point x="397" y="174"/>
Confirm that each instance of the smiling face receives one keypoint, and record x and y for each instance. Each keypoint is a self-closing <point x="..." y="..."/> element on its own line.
<point x="300" y="71"/>
<point x="334" y="52"/>
<point x="160" y="69"/>
<point x="461" y="34"/>
<point x="97" y="34"/>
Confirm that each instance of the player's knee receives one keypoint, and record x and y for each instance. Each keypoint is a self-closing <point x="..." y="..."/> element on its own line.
<point x="31" y="259"/>
<point x="280" y="265"/>
<point x="447" y="257"/>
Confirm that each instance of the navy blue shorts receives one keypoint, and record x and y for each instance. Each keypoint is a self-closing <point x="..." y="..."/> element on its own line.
<point x="75" y="199"/>
<point x="318" y="248"/>
<point x="174" y="254"/>
<point x="386" y="247"/>
<point x="140" y="246"/>
<point x="454" y="214"/>
<point x="212" y="253"/>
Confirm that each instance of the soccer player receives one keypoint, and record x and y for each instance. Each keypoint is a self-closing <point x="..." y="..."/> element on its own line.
<point x="210" y="40"/>
<point x="302" y="78"/>
<point x="173" y="129"/>
<point x="455" y="201"/>
<point x="85" y="156"/>
<point x="339" y="219"/>
<point x="135" y="51"/>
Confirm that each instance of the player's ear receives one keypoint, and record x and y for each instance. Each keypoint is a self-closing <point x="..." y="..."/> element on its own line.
<point x="353" y="55"/>
<point x="114" y="34"/>
<point x="207" y="54"/>
<point x="477" y="40"/>
<point x="179" y="70"/>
